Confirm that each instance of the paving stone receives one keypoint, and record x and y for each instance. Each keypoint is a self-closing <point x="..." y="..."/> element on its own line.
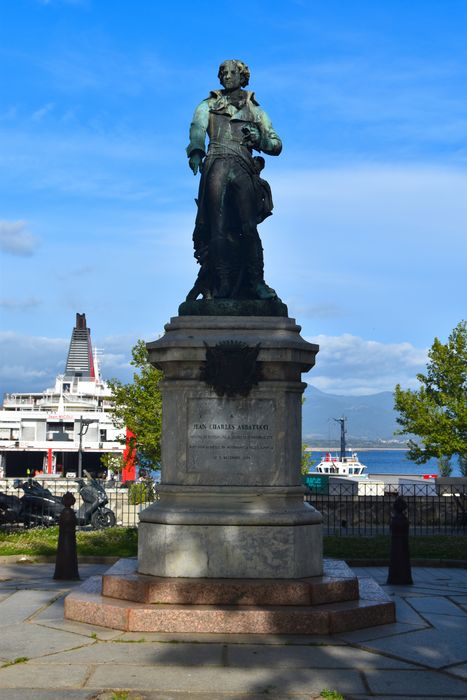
<point x="145" y="654"/>
<point x="460" y="671"/>
<point x="406" y="613"/>
<point x="436" y="604"/>
<point x="31" y="675"/>
<point x="203" y="695"/>
<point x="274" y="639"/>
<point x="31" y="640"/>
<point x="412" y="684"/>
<point x="49" y="694"/>
<point x="398" y="697"/>
<point x="251" y="656"/>
<point x="274" y="682"/>
<point x="394" y="630"/>
<point x="448" y="622"/>
<point x="430" y="647"/>
<point x="460" y="600"/>
<point x="22" y="604"/>
<point x="214" y="666"/>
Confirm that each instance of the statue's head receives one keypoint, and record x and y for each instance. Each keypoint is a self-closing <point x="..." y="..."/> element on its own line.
<point x="235" y="66"/>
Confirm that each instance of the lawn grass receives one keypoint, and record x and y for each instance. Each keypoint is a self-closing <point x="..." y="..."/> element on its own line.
<point x="377" y="547"/>
<point x="123" y="542"/>
<point x="112" y="542"/>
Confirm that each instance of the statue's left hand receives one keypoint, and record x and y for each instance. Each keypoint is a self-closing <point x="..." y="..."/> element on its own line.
<point x="251" y="136"/>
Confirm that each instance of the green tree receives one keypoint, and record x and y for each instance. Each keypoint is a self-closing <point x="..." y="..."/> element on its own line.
<point x="307" y="460"/>
<point x="138" y="406"/>
<point x="437" y="412"/>
<point x="444" y="465"/>
<point x="112" y="462"/>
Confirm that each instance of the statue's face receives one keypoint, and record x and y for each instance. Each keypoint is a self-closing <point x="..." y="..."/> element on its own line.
<point x="230" y="77"/>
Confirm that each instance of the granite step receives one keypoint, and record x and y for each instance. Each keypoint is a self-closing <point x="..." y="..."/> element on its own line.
<point x="87" y="604"/>
<point x="123" y="582"/>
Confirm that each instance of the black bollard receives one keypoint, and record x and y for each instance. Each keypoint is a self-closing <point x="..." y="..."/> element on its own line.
<point x="66" y="562"/>
<point x="399" y="572"/>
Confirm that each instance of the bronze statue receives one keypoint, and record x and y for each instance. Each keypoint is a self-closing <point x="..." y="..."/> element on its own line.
<point x="233" y="198"/>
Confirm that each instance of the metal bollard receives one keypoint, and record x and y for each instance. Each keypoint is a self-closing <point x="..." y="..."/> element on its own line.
<point x="400" y="572"/>
<point x="66" y="562"/>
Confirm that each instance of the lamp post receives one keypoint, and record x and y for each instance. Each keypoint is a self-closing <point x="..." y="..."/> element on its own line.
<point x="84" y="424"/>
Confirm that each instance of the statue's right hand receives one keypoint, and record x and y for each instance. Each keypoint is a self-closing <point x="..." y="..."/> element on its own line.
<point x="195" y="161"/>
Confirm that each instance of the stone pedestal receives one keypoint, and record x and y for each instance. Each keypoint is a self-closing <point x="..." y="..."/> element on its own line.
<point x="231" y="499"/>
<point x="231" y="547"/>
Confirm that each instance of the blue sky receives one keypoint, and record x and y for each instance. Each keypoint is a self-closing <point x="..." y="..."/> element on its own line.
<point x="367" y="244"/>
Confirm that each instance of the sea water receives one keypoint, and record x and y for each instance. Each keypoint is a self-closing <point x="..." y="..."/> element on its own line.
<point x="391" y="462"/>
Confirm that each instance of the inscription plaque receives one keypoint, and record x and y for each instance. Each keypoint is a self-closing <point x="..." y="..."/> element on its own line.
<point x="227" y="433"/>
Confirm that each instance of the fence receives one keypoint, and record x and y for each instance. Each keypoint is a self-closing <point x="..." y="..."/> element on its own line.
<point x="359" y="508"/>
<point x="348" y="507"/>
<point x="125" y="502"/>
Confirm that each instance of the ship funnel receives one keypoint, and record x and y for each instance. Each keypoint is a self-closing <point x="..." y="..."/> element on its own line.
<point x="80" y="361"/>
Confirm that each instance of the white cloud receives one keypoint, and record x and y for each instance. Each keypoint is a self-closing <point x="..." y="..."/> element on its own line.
<point x="350" y="365"/>
<point x="39" y="114"/>
<point x="15" y="239"/>
<point x="19" y="304"/>
<point x="322" y="310"/>
<point x="30" y="363"/>
<point x="346" y="364"/>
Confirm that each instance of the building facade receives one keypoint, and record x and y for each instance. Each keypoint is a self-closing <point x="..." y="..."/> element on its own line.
<point x="65" y="429"/>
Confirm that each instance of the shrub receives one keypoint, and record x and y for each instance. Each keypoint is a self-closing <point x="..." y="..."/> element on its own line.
<point x="141" y="492"/>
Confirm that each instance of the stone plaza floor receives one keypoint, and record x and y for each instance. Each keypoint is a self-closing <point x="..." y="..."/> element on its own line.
<point x="44" y="657"/>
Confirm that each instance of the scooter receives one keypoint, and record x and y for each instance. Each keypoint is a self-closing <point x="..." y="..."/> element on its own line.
<point x="93" y="508"/>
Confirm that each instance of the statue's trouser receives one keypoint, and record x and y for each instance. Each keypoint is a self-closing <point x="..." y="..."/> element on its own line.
<point x="230" y="189"/>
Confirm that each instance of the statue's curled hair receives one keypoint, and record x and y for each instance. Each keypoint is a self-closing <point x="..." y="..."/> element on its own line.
<point x="242" y="67"/>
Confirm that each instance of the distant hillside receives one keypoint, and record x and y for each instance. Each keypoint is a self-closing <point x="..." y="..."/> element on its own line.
<point x="370" y="418"/>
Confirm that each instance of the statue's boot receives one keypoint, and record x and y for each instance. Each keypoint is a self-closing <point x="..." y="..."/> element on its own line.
<point x="255" y="270"/>
<point x="263" y="291"/>
<point x="219" y="253"/>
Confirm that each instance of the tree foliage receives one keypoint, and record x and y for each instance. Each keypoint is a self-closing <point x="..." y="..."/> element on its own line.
<point x="437" y="411"/>
<point x="307" y="460"/>
<point x="112" y="462"/>
<point x="138" y="406"/>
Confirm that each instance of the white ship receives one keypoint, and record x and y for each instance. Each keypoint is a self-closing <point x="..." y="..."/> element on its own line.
<point x="345" y="464"/>
<point x="65" y="429"/>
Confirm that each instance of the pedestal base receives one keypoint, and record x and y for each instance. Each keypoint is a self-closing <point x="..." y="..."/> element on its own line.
<point x="230" y="532"/>
<point x="230" y="551"/>
<point x="125" y="600"/>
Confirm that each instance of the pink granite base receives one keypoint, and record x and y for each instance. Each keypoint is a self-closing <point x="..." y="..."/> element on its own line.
<point x="124" y="600"/>
<point x="124" y="583"/>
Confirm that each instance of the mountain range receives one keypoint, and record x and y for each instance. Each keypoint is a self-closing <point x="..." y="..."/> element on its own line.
<point x="370" y="418"/>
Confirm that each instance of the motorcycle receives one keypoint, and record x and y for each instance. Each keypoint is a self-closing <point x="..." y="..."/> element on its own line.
<point x="10" y="509"/>
<point x="39" y="507"/>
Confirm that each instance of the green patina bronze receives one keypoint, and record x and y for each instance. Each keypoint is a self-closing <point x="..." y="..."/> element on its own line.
<point x="233" y="199"/>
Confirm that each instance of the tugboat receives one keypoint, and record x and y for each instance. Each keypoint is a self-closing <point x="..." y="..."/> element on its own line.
<point x="346" y="464"/>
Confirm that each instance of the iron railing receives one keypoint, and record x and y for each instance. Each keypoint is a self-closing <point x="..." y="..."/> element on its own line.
<point x="356" y="508"/>
<point x="348" y="507"/>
